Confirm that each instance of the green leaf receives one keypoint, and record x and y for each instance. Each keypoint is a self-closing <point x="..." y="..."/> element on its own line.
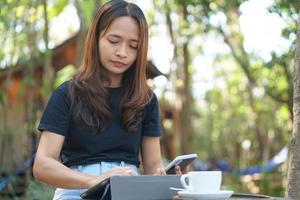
<point x="87" y="8"/>
<point x="57" y="8"/>
<point x="64" y="74"/>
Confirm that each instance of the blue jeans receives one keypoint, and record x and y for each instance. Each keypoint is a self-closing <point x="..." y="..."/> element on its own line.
<point x="92" y="169"/>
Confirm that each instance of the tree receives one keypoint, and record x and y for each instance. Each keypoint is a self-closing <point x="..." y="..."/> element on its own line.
<point x="86" y="10"/>
<point x="178" y="20"/>
<point x="293" y="191"/>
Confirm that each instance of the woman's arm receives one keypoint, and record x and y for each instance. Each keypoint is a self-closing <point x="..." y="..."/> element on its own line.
<point x="47" y="167"/>
<point x="151" y="155"/>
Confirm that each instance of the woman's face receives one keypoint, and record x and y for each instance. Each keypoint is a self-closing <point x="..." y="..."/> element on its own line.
<point x="118" y="47"/>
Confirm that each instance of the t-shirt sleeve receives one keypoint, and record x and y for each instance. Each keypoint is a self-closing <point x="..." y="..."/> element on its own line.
<point x="151" y="122"/>
<point x="56" y="116"/>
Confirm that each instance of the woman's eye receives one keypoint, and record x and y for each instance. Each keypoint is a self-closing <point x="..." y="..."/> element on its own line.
<point x="133" y="47"/>
<point x="113" y="42"/>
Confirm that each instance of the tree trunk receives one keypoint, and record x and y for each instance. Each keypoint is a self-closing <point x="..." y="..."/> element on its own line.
<point x="6" y="140"/>
<point x="81" y="35"/>
<point x="293" y="191"/>
<point x="174" y="76"/>
<point x="82" y="30"/>
<point x="48" y="71"/>
<point x="234" y="39"/>
<point x="187" y="103"/>
<point x="183" y="74"/>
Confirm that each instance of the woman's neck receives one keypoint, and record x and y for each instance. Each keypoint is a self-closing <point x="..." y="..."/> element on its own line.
<point x="114" y="82"/>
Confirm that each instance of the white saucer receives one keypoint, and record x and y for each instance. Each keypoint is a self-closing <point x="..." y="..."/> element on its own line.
<point x="223" y="194"/>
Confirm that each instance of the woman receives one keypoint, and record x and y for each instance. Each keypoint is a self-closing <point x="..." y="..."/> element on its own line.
<point x="96" y="125"/>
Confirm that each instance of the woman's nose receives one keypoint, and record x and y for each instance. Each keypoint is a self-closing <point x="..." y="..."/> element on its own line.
<point x="122" y="51"/>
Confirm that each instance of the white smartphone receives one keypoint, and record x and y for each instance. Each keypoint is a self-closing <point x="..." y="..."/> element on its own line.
<point x="182" y="161"/>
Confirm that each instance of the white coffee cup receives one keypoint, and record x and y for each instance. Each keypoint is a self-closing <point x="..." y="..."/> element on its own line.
<point x="202" y="181"/>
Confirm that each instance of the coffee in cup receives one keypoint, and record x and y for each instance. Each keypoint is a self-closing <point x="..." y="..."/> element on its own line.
<point x="202" y="181"/>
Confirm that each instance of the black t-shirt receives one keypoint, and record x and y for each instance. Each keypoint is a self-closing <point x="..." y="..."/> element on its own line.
<point x="83" y="145"/>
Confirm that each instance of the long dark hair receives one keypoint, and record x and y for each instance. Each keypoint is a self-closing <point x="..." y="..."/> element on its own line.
<point x="89" y="97"/>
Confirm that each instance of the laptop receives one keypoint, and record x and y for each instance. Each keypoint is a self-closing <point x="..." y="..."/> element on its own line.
<point x="144" y="187"/>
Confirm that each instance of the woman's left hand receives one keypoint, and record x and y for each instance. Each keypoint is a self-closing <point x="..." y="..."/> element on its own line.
<point x="178" y="171"/>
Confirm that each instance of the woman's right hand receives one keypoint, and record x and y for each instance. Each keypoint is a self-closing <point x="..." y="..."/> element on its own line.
<point x="116" y="171"/>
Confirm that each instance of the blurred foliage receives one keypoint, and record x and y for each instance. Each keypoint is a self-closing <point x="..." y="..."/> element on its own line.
<point x="37" y="191"/>
<point x="57" y="7"/>
<point x="64" y="74"/>
<point x="251" y="97"/>
<point x="87" y="8"/>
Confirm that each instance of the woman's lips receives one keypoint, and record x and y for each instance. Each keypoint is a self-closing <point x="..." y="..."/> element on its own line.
<point x="118" y="64"/>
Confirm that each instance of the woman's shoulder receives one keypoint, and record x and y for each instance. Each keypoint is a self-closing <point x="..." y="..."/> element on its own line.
<point x="153" y="99"/>
<point x="64" y="86"/>
<point x="63" y="89"/>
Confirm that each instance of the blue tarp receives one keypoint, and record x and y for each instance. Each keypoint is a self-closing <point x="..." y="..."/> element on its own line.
<point x="224" y="166"/>
<point x="21" y="170"/>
